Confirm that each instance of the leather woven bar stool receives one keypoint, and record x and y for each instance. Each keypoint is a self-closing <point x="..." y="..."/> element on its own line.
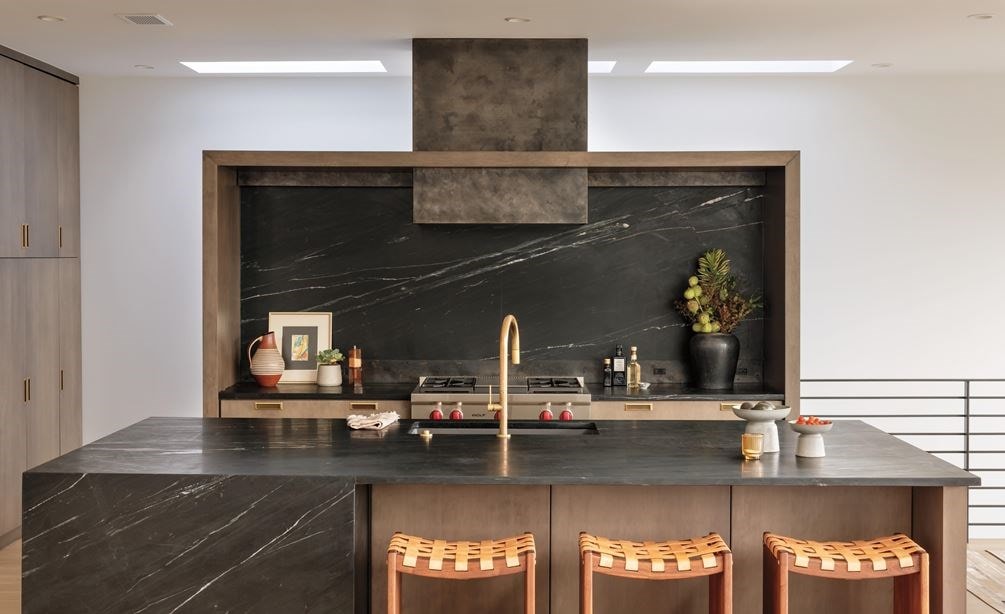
<point x="464" y="561"/>
<point x="669" y="560"/>
<point x="896" y="556"/>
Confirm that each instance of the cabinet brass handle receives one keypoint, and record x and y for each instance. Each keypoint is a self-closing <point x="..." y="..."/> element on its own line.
<point x="368" y="406"/>
<point x="60" y="236"/>
<point x="27" y="236"/>
<point x="24" y="386"/>
<point x="60" y="379"/>
<point x="727" y="406"/>
<point x="268" y="405"/>
<point x="638" y="406"/>
<point x="24" y="236"/>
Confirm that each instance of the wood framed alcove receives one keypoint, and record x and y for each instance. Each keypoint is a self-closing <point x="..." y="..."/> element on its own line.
<point x="221" y="234"/>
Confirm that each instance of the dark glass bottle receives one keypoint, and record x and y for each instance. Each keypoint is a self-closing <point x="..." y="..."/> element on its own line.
<point x="619" y="367"/>
<point x="608" y="373"/>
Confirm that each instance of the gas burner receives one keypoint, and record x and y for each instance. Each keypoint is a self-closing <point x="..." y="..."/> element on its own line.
<point x="554" y="384"/>
<point x="452" y="384"/>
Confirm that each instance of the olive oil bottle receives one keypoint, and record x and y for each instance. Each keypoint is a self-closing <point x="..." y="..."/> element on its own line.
<point x="634" y="370"/>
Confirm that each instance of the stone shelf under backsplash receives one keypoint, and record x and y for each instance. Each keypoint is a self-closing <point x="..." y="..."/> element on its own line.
<point x="683" y="392"/>
<point x="401" y="391"/>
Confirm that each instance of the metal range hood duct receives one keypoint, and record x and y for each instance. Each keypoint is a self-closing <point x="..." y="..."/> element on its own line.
<point x="499" y="95"/>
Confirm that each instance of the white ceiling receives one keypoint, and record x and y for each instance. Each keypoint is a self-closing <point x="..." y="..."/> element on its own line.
<point x="917" y="36"/>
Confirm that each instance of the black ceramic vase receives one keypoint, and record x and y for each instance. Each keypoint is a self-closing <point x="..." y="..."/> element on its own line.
<point x="713" y="360"/>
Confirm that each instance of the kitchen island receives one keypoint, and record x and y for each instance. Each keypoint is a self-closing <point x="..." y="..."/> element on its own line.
<point x="194" y="515"/>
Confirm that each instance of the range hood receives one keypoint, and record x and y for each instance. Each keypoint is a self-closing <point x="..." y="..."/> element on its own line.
<point x="499" y="95"/>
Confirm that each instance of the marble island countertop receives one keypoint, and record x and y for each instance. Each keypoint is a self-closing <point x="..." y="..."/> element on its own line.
<point x="621" y="452"/>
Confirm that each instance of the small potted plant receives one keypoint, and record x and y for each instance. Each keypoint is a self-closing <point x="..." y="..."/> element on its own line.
<point x="330" y="367"/>
<point x="714" y="307"/>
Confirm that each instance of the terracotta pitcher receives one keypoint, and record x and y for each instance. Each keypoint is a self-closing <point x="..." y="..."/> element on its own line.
<point x="267" y="365"/>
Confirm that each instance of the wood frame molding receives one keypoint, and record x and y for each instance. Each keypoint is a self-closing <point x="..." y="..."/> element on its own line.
<point x="221" y="233"/>
<point x="705" y="160"/>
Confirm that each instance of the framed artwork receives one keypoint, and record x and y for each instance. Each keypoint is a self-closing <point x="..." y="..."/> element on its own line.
<point x="301" y="335"/>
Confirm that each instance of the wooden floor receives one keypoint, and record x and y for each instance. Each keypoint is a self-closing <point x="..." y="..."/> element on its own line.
<point x="985" y="578"/>
<point x="10" y="579"/>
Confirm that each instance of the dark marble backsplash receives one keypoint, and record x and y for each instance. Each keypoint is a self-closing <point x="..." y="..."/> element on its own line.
<point x="429" y="299"/>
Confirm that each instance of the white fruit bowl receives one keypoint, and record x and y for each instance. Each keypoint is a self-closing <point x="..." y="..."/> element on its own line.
<point x="811" y="429"/>
<point x="762" y="415"/>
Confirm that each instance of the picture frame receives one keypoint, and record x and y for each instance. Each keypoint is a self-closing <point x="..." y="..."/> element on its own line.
<point x="300" y="335"/>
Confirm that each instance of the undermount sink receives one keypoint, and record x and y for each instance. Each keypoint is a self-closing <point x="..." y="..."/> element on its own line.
<point x="491" y="427"/>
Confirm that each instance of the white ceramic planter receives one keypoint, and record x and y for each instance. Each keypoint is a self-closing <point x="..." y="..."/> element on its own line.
<point x="329" y="375"/>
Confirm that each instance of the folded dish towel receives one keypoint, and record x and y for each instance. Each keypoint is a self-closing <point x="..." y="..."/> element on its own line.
<point x="373" y="422"/>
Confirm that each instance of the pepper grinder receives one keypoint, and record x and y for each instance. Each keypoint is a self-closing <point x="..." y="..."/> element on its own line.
<point x="355" y="364"/>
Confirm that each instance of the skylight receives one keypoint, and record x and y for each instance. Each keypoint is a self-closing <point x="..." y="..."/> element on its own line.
<point x="287" y="67"/>
<point x="746" y="66"/>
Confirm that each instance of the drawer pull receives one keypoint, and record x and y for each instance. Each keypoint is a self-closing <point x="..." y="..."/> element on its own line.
<point x="638" y="406"/>
<point x="268" y="405"/>
<point x="367" y="406"/>
<point x="727" y="406"/>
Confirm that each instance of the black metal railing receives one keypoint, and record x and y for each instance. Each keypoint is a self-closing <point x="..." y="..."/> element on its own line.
<point x="959" y="420"/>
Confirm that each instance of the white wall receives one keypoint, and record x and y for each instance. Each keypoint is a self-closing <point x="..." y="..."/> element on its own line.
<point x="903" y="204"/>
<point x="141" y="214"/>
<point x="902" y="208"/>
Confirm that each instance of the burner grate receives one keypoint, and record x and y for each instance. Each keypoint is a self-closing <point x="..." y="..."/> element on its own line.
<point x="448" y="383"/>
<point x="553" y="384"/>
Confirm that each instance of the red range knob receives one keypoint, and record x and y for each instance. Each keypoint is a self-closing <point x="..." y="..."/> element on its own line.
<point x="436" y="414"/>
<point x="546" y="415"/>
<point x="498" y="415"/>
<point x="457" y="415"/>
<point x="565" y="415"/>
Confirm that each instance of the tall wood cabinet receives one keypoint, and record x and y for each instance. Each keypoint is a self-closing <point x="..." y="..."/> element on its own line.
<point x="39" y="164"/>
<point x="40" y="362"/>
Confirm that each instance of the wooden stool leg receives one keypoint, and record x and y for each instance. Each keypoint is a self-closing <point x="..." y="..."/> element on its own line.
<point x="910" y="592"/>
<point x="721" y="587"/>
<point x="924" y="600"/>
<point x="586" y="584"/>
<point x="529" y="593"/>
<point x="393" y="584"/>
<point x="775" y="586"/>
<point x="725" y="599"/>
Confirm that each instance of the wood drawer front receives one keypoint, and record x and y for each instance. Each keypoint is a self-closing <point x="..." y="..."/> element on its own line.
<point x="307" y="409"/>
<point x="662" y="410"/>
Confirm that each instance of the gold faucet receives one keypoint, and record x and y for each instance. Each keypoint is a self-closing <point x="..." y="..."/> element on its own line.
<point x="508" y="324"/>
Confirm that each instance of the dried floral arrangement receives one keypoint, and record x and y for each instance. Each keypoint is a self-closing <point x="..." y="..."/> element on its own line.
<point x="712" y="302"/>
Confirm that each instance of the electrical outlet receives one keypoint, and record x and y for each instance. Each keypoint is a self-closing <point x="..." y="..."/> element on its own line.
<point x="659" y="371"/>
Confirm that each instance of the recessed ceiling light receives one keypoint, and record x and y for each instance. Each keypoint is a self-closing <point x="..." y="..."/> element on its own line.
<point x="882" y="65"/>
<point x="517" y="20"/>
<point x="143" y="66"/>
<point x="600" y="66"/>
<point x="50" y="18"/>
<point x="981" y="16"/>
<point x="282" y="67"/>
<point x="745" y="66"/>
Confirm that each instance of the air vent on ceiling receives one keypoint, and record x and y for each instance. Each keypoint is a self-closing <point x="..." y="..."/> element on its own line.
<point x="144" y="19"/>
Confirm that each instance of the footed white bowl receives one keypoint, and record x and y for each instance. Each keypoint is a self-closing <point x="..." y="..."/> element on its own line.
<point x="811" y="440"/>
<point x="763" y="421"/>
